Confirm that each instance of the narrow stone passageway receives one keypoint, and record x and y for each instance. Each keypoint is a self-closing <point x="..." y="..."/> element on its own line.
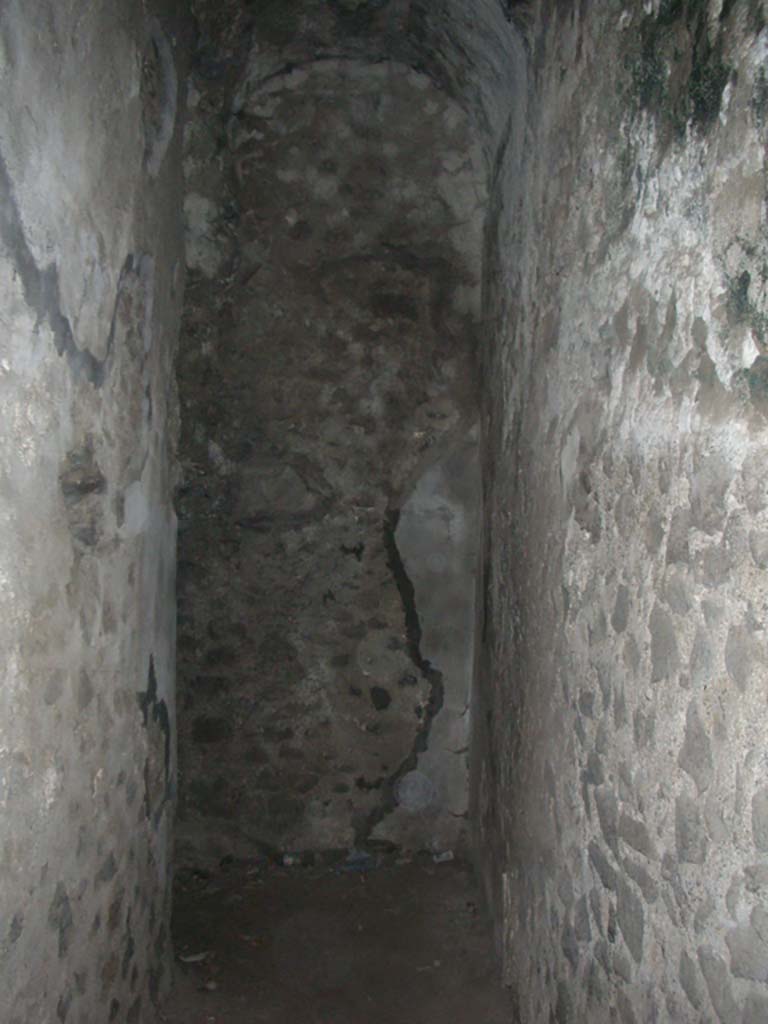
<point x="384" y="512"/>
<point x="348" y="941"/>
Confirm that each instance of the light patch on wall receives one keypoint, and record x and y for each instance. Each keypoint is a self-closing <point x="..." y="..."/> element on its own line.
<point x="202" y="251"/>
<point x="569" y="459"/>
<point x="159" y="91"/>
<point x="136" y="510"/>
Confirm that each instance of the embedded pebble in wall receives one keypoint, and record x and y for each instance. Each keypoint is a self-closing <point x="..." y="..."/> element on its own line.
<point x="760" y="819"/>
<point x="664" y="650"/>
<point x="696" y="753"/>
<point x="748" y="947"/>
<point x="689" y="980"/>
<point x="719" y="986"/>
<point x="690" y="836"/>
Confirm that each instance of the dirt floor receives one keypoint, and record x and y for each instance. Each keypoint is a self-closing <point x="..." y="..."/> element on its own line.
<point x="358" y="942"/>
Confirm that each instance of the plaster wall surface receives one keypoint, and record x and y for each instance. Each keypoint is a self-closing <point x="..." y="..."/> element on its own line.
<point x="620" y="724"/>
<point x="90" y="288"/>
<point x="333" y="236"/>
<point x="436" y="538"/>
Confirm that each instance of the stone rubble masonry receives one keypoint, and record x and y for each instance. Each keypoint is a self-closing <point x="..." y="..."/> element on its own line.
<point x="328" y="511"/>
<point x="620" y="714"/>
<point x="90" y="294"/>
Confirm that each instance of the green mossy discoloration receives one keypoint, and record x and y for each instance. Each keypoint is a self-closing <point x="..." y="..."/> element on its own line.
<point x="679" y="73"/>
<point x="745" y="288"/>
<point x="756" y="380"/>
<point x="709" y="77"/>
<point x="760" y="99"/>
<point x="726" y="9"/>
<point x="357" y="16"/>
<point x="755" y="13"/>
<point x="621" y="190"/>
<point x="648" y="74"/>
<point x="757" y="16"/>
<point x="757" y="376"/>
<point x="742" y="309"/>
<point x="669" y="12"/>
<point x="277" y="21"/>
<point x="738" y="296"/>
<point x="352" y="6"/>
<point x="517" y="12"/>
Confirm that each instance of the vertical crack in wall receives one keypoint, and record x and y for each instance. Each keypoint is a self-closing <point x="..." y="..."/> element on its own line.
<point x="426" y="669"/>
<point x="158" y="781"/>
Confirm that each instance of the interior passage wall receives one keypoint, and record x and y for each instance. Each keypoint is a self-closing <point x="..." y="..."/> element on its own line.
<point x="327" y="386"/>
<point x="89" y="298"/>
<point x="620" y="783"/>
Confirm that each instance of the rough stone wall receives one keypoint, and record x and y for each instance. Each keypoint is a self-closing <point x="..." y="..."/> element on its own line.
<point x="89" y="298"/>
<point x="334" y="215"/>
<point x="620" y="788"/>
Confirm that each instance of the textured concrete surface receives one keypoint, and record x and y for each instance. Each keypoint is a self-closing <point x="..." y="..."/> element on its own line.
<point x="334" y="240"/>
<point x="89" y="308"/>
